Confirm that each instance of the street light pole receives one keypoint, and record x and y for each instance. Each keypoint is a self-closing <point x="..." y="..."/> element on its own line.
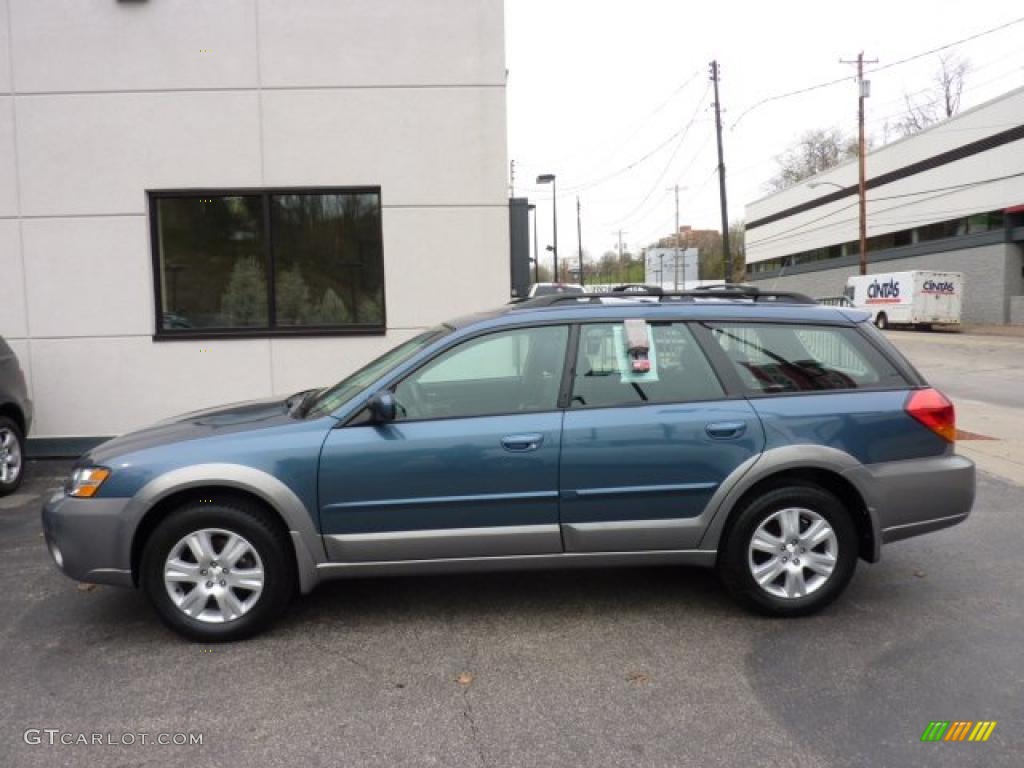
<point x="549" y="178"/>
<point x="536" y="249"/>
<point x="579" y="237"/>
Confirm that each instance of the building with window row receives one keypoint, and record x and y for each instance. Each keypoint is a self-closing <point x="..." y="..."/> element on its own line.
<point x="948" y="198"/>
<point x="211" y="202"/>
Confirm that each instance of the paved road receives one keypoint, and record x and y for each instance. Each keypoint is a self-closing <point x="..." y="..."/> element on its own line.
<point x="969" y="366"/>
<point x="647" y="667"/>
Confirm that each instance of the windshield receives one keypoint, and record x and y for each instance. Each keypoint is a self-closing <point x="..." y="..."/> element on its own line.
<point x="332" y="398"/>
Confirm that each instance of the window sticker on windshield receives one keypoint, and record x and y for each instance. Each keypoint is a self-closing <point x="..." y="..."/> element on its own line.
<point x="625" y="360"/>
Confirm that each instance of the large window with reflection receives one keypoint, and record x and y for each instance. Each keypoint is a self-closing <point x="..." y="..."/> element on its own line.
<point x="274" y="262"/>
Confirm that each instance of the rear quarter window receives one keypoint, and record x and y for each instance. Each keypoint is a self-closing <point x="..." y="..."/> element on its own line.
<point x="772" y="358"/>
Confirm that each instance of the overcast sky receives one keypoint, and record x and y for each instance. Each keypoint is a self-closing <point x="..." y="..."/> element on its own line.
<point x="595" y="86"/>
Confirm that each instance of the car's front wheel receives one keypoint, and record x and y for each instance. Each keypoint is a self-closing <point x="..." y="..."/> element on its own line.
<point x="218" y="570"/>
<point x="790" y="551"/>
<point x="12" y="456"/>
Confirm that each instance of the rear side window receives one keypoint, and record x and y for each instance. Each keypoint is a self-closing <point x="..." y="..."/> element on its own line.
<point x="679" y="371"/>
<point x="775" y="358"/>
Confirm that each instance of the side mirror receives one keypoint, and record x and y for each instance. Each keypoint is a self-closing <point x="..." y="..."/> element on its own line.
<point x="382" y="406"/>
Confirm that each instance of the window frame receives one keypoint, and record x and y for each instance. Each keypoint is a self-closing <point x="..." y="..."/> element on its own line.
<point x="153" y="196"/>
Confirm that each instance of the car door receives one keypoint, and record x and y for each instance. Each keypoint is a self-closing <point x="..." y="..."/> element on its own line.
<point x="469" y="467"/>
<point x="643" y="453"/>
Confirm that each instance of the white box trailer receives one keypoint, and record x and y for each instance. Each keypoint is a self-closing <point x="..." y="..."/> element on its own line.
<point x="919" y="298"/>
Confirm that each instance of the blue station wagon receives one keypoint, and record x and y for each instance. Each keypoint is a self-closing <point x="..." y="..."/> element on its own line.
<point x="761" y="434"/>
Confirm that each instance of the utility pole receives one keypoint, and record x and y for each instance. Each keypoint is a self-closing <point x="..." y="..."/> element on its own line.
<point x="726" y="255"/>
<point x="675" y="271"/>
<point x="579" y="237"/>
<point x="863" y="91"/>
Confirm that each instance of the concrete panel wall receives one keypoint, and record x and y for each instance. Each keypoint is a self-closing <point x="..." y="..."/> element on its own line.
<point x="8" y="178"/>
<point x="102" y="45"/>
<point x="13" y="320"/>
<point x="985" y="270"/>
<point x="107" y="100"/>
<point x="403" y="139"/>
<point x="427" y="42"/>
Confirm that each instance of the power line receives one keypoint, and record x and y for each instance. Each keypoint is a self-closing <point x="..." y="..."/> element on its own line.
<point x="890" y="65"/>
<point x="643" y="122"/>
<point x="668" y="165"/>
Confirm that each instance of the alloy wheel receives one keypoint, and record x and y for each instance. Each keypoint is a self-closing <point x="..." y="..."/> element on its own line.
<point x="792" y="553"/>
<point x="10" y="456"/>
<point x="214" y="575"/>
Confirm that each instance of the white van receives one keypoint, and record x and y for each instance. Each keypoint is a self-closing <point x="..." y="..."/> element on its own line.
<point x="919" y="298"/>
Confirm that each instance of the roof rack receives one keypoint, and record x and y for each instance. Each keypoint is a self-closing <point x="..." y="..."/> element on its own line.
<point x="654" y="294"/>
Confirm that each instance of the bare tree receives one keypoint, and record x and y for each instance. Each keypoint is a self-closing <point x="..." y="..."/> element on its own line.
<point x="939" y="101"/>
<point x="815" y="151"/>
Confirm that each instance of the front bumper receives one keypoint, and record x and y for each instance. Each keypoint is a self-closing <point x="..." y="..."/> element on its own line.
<point x="85" y="538"/>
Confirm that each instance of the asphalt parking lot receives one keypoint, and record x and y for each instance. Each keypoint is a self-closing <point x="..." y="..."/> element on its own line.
<point x="590" y="668"/>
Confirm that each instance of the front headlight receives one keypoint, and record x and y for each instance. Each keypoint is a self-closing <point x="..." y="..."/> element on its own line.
<point x="85" y="482"/>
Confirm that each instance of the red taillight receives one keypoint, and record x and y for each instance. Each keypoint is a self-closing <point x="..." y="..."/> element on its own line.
<point x="931" y="408"/>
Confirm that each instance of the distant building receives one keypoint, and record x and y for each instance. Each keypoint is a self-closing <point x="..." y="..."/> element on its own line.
<point x="662" y="268"/>
<point x="948" y="198"/>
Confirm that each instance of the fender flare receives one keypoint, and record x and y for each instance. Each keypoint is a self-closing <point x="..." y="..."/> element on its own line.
<point x="774" y="461"/>
<point x="308" y="544"/>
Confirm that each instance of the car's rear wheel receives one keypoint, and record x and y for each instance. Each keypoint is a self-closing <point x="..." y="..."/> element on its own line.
<point x="882" y="321"/>
<point x="12" y="456"/>
<point x="218" y="570"/>
<point x="790" y="551"/>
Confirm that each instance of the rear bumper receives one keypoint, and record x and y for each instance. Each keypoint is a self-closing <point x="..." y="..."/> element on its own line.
<point x="909" y="498"/>
<point x="84" y="538"/>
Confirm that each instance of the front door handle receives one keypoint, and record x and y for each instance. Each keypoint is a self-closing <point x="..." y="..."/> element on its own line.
<point x="725" y="430"/>
<point x="522" y="443"/>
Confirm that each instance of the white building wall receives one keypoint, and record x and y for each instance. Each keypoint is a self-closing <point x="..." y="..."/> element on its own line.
<point x="101" y="101"/>
<point x="916" y="200"/>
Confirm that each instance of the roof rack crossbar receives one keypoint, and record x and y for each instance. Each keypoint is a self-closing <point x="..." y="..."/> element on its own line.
<point x="731" y="292"/>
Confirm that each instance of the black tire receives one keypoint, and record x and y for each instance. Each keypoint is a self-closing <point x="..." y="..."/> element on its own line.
<point x="9" y="427"/>
<point x="246" y="519"/>
<point x="881" y="321"/>
<point x="734" y="559"/>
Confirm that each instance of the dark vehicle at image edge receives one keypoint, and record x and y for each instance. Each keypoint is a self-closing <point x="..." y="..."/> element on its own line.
<point x="15" y="420"/>
<point x="759" y="433"/>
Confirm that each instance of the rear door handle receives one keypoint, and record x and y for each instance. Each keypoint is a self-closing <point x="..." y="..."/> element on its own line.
<point x="725" y="430"/>
<point x="522" y="443"/>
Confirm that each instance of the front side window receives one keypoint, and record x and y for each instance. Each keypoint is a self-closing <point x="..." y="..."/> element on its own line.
<point x="772" y="358"/>
<point x="679" y="372"/>
<point x="269" y="262"/>
<point x="515" y="371"/>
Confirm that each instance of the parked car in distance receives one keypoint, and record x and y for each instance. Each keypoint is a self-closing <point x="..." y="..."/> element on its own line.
<point x="761" y="434"/>
<point x="835" y="301"/>
<point x="550" y="289"/>
<point x="15" y="420"/>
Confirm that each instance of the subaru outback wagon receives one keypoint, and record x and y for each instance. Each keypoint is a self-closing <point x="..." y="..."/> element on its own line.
<point x="762" y="434"/>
